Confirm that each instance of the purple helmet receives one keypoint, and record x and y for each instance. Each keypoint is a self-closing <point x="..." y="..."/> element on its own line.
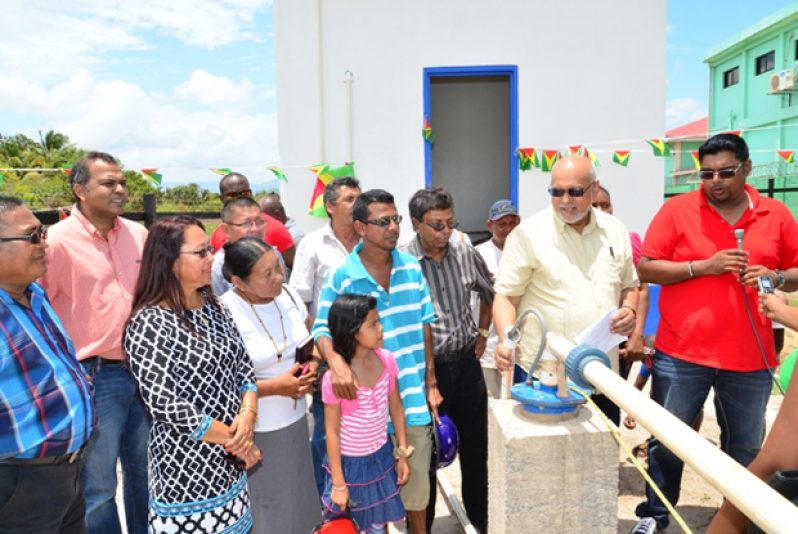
<point x="446" y="441"/>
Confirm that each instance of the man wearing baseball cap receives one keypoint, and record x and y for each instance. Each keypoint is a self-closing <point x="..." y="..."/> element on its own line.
<point x="502" y="218"/>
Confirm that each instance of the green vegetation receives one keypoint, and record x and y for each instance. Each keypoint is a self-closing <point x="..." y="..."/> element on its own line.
<point x="47" y="189"/>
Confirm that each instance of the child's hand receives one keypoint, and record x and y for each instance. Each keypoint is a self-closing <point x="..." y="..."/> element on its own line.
<point x="340" y="497"/>
<point x="771" y="305"/>
<point x="402" y="471"/>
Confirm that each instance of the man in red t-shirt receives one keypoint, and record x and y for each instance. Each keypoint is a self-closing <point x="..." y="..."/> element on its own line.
<point x="235" y="185"/>
<point x="710" y="334"/>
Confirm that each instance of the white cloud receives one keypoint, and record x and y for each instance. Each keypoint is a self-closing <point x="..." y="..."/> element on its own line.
<point x="216" y="91"/>
<point x="683" y="110"/>
<point x="47" y="40"/>
<point x="147" y="129"/>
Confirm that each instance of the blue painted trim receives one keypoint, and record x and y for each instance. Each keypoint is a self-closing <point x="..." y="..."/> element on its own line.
<point x="511" y="71"/>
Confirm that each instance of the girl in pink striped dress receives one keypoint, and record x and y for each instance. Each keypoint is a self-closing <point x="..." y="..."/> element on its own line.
<point x="362" y="477"/>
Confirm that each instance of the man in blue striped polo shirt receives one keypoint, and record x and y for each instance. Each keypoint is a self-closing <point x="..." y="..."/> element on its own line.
<point x="46" y="409"/>
<point x="395" y="279"/>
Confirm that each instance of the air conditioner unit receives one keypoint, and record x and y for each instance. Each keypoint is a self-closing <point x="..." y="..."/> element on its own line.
<point x="782" y="81"/>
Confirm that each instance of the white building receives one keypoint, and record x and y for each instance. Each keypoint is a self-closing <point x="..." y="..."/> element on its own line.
<point x="356" y="79"/>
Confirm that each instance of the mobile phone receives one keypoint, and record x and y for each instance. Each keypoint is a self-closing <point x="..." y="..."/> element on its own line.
<point x="766" y="284"/>
<point x="304" y="352"/>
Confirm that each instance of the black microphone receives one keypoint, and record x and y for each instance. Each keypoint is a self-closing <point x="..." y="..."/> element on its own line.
<point x="738" y="235"/>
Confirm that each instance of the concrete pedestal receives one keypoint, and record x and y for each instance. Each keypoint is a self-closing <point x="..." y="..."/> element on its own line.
<point x="553" y="478"/>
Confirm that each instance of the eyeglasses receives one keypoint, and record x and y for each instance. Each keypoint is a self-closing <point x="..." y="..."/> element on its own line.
<point x="382" y="222"/>
<point x="38" y="235"/>
<point x="231" y="195"/>
<point x="709" y="174"/>
<point x="451" y="224"/>
<point x="573" y="192"/>
<point x="235" y="461"/>
<point x="201" y="253"/>
<point x="246" y="225"/>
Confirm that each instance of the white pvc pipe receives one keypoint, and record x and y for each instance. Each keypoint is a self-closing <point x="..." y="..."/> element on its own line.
<point x="758" y="501"/>
<point x="454" y="504"/>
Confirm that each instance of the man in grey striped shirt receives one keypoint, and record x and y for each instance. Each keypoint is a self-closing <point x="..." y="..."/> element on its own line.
<point x="453" y="270"/>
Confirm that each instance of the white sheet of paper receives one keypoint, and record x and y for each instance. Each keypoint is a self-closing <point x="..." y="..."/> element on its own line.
<point x="598" y="334"/>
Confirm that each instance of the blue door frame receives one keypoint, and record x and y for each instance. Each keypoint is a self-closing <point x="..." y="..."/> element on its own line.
<point x="511" y="71"/>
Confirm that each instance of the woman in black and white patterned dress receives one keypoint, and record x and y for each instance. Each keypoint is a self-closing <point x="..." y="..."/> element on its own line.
<point x="196" y="379"/>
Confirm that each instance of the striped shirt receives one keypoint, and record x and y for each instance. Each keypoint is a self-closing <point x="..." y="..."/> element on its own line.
<point x="364" y="420"/>
<point x="461" y="271"/>
<point x="403" y="311"/>
<point x="46" y="406"/>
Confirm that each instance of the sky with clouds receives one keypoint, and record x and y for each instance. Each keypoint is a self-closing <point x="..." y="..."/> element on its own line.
<point x="695" y="28"/>
<point x="185" y="85"/>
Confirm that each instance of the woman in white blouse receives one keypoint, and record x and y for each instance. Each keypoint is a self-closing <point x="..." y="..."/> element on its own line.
<point x="273" y="320"/>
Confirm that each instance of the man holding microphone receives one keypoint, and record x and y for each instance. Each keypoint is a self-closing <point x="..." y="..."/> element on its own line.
<point x="708" y="249"/>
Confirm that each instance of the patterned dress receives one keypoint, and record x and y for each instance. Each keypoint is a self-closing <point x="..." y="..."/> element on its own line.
<point x="186" y="380"/>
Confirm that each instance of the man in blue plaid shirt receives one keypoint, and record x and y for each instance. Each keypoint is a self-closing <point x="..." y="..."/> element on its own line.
<point x="46" y="407"/>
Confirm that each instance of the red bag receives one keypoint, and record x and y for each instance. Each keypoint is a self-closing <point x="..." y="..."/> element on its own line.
<point x="338" y="525"/>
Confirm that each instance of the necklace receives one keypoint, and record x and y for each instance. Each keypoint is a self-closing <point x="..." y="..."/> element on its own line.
<point x="282" y="327"/>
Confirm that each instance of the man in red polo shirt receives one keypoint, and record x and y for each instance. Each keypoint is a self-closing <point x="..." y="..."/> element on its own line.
<point x="710" y="334"/>
<point x="235" y="185"/>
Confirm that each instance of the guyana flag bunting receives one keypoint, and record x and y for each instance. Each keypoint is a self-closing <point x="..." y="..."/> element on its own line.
<point x="621" y="157"/>
<point x="527" y="158"/>
<point x="786" y="155"/>
<point x="152" y="176"/>
<point x="550" y="157"/>
<point x="221" y="171"/>
<point x="696" y="161"/>
<point x="62" y="214"/>
<point x="1" y="178"/>
<point x="427" y="133"/>
<point x="575" y="150"/>
<point x="592" y="157"/>
<point x="324" y="175"/>
<point x="660" y="147"/>
<point x="734" y="132"/>
<point x="278" y="172"/>
<point x="66" y="170"/>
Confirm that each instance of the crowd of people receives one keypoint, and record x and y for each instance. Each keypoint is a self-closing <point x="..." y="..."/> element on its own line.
<point x="188" y="359"/>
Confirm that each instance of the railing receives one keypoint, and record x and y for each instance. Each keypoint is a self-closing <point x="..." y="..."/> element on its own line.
<point x="48" y="217"/>
<point x="758" y="501"/>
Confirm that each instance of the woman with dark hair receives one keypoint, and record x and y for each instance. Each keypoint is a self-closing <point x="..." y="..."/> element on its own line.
<point x="273" y="322"/>
<point x="196" y="380"/>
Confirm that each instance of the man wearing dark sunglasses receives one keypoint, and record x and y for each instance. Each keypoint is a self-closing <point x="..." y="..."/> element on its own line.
<point x="571" y="262"/>
<point x="706" y="338"/>
<point x="236" y="185"/>
<point x="46" y="408"/>
<point x="453" y="270"/>
<point x="94" y="257"/>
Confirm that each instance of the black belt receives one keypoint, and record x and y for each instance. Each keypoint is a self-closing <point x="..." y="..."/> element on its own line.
<point x="94" y="360"/>
<point x="454" y="355"/>
<point x="68" y="458"/>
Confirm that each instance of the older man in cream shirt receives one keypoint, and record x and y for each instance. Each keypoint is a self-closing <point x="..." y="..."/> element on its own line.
<point x="572" y="263"/>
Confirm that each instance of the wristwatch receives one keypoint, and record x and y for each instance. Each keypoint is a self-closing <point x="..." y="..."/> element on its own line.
<point x="484" y="333"/>
<point x="780" y="280"/>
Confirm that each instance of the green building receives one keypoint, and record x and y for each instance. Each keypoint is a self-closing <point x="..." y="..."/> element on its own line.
<point x="753" y="88"/>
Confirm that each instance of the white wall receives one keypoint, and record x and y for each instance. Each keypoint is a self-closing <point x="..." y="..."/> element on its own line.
<point x="589" y="73"/>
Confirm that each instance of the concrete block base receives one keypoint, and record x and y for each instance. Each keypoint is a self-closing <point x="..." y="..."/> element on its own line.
<point x="553" y="478"/>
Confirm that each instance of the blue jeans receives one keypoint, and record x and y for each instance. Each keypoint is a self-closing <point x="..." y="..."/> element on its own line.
<point x="318" y="440"/>
<point x="681" y="388"/>
<point x="122" y="432"/>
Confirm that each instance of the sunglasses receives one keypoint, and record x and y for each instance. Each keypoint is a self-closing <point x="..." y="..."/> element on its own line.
<point x="201" y="253"/>
<point x="246" y="225"/>
<point x="382" y="222"/>
<point x="230" y="195"/>
<point x="38" y="236"/>
<point x="708" y="174"/>
<point x="451" y="224"/>
<point x="573" y="192"/>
